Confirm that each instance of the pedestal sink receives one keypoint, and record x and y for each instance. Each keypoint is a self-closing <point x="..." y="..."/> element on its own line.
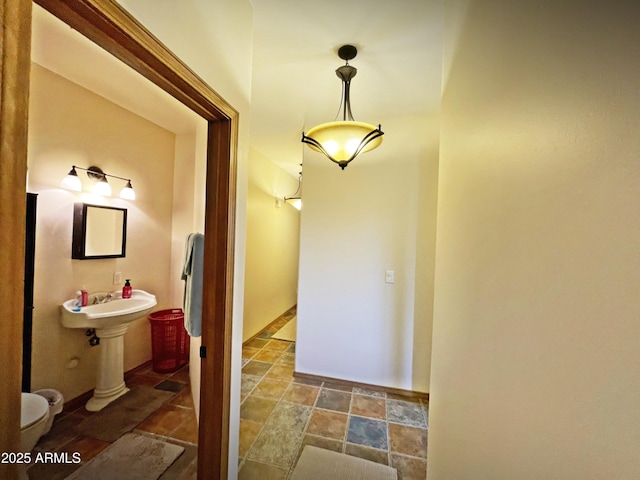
<point x="110" y="321"/>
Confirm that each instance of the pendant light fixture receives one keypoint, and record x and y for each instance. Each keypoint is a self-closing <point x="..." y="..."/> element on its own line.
<point x="343" y="140"/>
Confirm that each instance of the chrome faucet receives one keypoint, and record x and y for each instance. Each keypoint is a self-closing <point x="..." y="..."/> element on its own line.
<point x="98" y="299"/>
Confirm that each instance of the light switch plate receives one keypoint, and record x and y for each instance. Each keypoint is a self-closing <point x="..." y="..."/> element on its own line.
<point x="389" y="276"/>
<point x="117" y="278"/>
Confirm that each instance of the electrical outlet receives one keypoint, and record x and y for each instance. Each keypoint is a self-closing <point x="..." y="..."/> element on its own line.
<point x="389" y="276"/>
<point x="117" y="278"/>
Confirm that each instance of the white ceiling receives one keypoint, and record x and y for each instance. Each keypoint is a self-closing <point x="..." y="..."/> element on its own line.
<point x="62" y="50"/>
<point x="294" y="86"/>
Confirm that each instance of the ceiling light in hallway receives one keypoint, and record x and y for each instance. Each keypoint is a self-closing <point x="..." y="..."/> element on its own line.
<point x="343" y="140"/>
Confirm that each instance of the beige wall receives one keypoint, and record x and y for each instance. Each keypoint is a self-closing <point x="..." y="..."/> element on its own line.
<point x="188" y="217"/>
<point x="220" y="53"/>
<point x="273" y="239"/>
<point x="535" y="354"/>
<point x="70" y="125"/>
<point x="184" y="216"/>
<point x="427" y="201"/>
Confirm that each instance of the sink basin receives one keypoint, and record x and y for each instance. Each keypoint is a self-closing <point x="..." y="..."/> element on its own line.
<point x="110" y="321"/>
<point x="114" y="313"/>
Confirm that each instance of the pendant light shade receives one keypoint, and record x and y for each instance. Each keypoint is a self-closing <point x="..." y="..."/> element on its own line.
<point x="342" y="141"/>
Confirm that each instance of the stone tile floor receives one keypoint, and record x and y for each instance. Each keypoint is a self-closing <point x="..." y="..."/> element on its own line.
<point x="174" y="422"/>
<point x="280" y="414"/>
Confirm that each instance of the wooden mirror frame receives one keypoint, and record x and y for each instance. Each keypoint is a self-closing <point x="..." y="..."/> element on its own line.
<point x="80" y="235"/>
<point x="111" y="27"/>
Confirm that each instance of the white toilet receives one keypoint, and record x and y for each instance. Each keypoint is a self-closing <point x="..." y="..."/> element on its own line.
<point x="37" y="417"/>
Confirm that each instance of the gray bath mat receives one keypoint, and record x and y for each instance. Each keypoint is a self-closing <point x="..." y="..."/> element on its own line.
<point x="319" y="464"/>
<point x="124" y="414"/>
<point x="133" y="457"/>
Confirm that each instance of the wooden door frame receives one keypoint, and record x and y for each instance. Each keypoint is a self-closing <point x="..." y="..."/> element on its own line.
<point x="15" y="55"/>
<point x="111" y="27"/>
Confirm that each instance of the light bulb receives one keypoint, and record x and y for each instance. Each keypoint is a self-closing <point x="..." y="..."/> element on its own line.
<point x="127" y="192"/>
<point x="103" y="188"/>
<point x="72" y="181"/>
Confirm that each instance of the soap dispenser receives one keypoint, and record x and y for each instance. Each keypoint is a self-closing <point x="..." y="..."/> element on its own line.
<point x="126" y="290"/>
<point x="85" y="296"/>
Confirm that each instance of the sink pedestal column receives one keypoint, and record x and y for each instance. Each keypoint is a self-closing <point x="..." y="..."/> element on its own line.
<point x="110" y="383"/>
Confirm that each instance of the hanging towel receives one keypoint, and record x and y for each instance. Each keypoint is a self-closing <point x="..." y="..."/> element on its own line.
<point x="192" y="275"/>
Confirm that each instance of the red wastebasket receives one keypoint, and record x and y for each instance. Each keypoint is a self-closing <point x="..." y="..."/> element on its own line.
<point x="169" y="340"/>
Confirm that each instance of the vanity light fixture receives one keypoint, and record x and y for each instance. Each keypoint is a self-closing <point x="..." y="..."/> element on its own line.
<point x="295" y="201"/>
<point x="342" y="141"/>
<point x="101" y="186"/>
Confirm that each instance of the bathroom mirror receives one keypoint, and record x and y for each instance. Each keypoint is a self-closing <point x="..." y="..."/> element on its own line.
<point x="98" y="232"/>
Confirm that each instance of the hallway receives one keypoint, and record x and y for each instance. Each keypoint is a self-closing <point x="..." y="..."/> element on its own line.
<point x="280" y="414"/>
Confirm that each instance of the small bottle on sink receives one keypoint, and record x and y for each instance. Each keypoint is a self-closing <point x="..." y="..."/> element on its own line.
<point x="126" y="290"/>
<point x="77" y="303"/>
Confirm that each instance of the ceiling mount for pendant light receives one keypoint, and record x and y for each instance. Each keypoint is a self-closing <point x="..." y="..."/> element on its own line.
<point x="343" y="140"/>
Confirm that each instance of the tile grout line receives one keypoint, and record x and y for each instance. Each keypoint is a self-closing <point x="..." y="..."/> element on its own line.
<point x="264" y="375"/>
<point x="278" y="401"/>
<point x="385" y="421"/>
<point x="386" y="418"/>
<point x="346" y="433"/>
<point x="244" y="459"/>
<point x="406" y="455"/>
<point x="304" y="432"/>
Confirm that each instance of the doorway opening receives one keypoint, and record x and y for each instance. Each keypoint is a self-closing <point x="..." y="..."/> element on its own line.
<point x="116" y="31"/>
